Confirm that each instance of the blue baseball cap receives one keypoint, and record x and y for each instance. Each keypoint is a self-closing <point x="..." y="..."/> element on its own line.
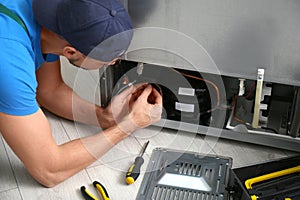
<point x="101" y="29"/>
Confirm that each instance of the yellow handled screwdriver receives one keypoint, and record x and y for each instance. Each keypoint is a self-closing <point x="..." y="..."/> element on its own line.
<point x="135" y="169"/>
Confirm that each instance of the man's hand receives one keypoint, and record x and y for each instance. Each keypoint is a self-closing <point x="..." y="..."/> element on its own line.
<point x="145" y="108"/>
<point x="117" y="109"/>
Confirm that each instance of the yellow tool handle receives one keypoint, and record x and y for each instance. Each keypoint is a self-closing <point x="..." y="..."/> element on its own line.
<point x="87" y="195"/>
<point x="102" y="190"/>
<point x="134" y="170"/>
<point x="253" y="197"/>
<point x="250" y="182"/>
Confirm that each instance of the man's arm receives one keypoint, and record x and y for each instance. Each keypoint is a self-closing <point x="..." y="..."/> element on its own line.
<point x="31" y="139"/>
<point x="54" y="95"/>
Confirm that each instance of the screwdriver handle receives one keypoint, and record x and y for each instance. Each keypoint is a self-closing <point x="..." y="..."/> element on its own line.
<point x="134" y="170"/>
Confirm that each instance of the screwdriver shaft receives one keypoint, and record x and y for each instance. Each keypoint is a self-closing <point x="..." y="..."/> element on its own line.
<point x="144" y="148"/>
<point x="134" y="170"/>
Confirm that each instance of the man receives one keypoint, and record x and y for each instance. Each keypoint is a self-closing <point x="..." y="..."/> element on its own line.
<point x="80" y="30"/>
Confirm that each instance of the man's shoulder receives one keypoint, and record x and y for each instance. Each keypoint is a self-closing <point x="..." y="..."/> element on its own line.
<point x="10" y="30"/>
<point x="17" y="78"/>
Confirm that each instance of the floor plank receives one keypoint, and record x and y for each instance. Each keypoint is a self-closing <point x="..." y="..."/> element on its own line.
<point x="124" y="149"/>
<point x="114" y="181"/>
<point x="172" y="139"/>
<point x="30" y="189"/>
<point x="7" y="179"/>
<point x="112" y="174"/>
<point x="10" y="194"/>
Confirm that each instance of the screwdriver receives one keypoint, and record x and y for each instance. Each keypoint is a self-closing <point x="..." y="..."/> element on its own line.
<point x="134" y="170"/>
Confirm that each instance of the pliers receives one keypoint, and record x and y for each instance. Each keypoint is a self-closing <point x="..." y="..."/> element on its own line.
<point x="88" y="196"/>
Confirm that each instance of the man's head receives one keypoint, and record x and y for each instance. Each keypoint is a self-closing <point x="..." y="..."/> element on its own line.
<point x="99" y="29"/>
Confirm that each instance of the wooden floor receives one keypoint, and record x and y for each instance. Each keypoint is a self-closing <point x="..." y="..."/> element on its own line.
<point x="17" y="184"/>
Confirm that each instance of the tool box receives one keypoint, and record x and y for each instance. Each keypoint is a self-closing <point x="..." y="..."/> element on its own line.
<point x="173" y="174"/>
<point x="276" y="180"/>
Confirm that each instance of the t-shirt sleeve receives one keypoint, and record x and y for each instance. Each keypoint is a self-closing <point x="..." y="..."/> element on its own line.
<point x="51" y="58"/>
<point x="17" y="79"/>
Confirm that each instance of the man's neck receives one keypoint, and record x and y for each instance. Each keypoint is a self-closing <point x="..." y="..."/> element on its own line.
<point x="51" y="42"/>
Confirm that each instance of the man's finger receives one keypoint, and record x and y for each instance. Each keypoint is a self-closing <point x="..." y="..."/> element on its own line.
<point x="156" y="95"/>
<point x="131" y="89"/>
<point x="128" y="91"/>
<point x="140" y="85"/>
<point x="146" y="92"/>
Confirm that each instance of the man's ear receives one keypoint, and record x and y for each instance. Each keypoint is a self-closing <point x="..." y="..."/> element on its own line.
<point x="70" y="52"/>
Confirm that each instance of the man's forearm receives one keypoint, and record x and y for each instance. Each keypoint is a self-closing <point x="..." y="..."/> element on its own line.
<point x="65" y="103"/>
<point x="88" y="150"/>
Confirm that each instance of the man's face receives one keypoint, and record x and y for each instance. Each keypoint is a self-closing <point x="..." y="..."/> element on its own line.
<point x="88" y="63"/>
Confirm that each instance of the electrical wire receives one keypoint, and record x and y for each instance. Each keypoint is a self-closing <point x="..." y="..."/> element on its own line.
<point x="218" y="98"/>
<point x="250" y="91"/>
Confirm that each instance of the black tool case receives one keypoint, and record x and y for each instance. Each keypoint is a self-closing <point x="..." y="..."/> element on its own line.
<point x="281" y="188"/>
<point x="173" y="174"/>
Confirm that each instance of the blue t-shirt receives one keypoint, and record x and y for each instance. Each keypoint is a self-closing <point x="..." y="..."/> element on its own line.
<point x="20" y="56"/>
